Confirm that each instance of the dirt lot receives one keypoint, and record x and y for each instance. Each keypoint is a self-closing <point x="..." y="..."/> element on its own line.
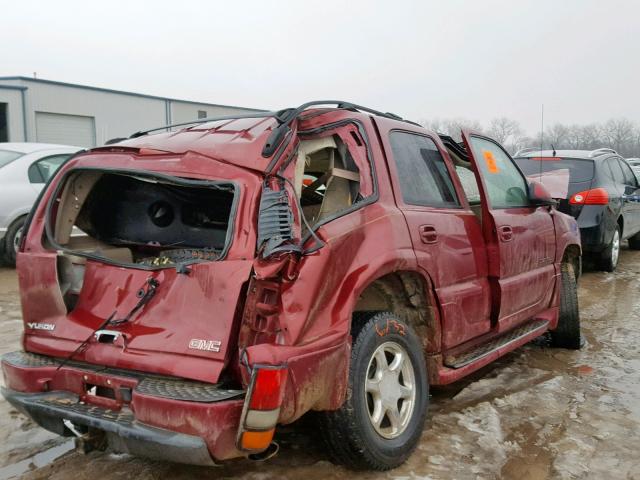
<point x="537" y="413"/>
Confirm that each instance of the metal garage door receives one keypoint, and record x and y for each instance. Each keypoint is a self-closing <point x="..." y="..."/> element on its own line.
<point x="65" y="129"/>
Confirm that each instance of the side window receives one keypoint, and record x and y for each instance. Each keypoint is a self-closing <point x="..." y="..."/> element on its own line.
<point x="506" y="187"/>
<point x="469" y="184"/>
<point x="616" y="171"/>
<point x="42" y="170"/>
<point x="423" y="175"/>
<point x="629" y="177"/>
<point x="327" y="179"/>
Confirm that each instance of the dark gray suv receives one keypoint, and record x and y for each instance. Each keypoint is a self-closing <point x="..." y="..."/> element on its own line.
<point x="604" y="197"/>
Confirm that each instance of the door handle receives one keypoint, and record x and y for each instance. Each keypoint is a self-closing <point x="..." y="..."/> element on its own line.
<point x="506" y="233"/>
<point x="428" y="234"/>
<point x="631" y="197"/>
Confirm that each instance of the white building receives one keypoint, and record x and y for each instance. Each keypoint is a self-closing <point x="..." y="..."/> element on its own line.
<point x="35" y="110"/>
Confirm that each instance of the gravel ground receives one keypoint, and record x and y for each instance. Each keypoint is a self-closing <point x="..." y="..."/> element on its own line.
<point x="537" y="413"/>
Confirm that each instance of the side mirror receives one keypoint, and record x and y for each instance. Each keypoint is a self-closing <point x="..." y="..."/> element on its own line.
<point x="539" y="195"/>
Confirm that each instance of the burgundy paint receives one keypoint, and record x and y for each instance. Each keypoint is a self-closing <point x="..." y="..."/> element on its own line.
<point x="287" y="310"/>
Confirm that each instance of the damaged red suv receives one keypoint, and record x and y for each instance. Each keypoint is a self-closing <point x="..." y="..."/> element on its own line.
<point x="238" y="273"/>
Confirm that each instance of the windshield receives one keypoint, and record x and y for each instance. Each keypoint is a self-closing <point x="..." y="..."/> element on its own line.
<point x="579" y="170"/>
<point x="7" y="156"/>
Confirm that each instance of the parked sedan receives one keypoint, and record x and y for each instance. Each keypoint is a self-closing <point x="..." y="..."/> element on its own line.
<point x="24" y="169"/>
<point x="603" y="196"/>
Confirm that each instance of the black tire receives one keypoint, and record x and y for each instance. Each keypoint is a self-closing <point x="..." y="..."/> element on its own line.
<point x="9" y="249"/>
<point x="567" y="334"/>
<point x="634" y="242"/>
<point x="607" y="260"/>
<point x="349" y="434"/>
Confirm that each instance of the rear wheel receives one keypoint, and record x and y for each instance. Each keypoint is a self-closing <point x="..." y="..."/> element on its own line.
<point x="567" y="334"/>
<point x="12" y="241"/>
<point x="381" y="421"/>
<point x="609" y="257"/>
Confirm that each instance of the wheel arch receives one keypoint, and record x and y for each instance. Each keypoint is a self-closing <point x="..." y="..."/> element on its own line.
<point x="409" y="294"/>
<point x="573" y="254"/>
<point x="620" y="222"/>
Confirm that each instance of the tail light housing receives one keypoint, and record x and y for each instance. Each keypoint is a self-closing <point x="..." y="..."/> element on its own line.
<point x="262" y="407"/>
<point x="595" y="196"/>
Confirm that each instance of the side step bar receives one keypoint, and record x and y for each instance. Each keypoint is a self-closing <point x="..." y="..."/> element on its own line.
<point x="462" y="359"/>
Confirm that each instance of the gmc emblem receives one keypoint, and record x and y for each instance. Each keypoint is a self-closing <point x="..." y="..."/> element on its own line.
<point x="206" y="345"/>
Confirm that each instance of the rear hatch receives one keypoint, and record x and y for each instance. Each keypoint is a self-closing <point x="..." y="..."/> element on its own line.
<point x="581" y="172"/>
<point x="153" y="284"/>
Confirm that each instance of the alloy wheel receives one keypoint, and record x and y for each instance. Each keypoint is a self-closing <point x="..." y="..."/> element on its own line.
<point x="390" y="390"/>
<point x="615" y="248"/>
<point x="16" y="239"/>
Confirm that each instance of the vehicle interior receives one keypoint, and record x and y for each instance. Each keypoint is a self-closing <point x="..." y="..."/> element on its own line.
<point x="464" y="170"/>
<point x="152" y="221"/>
<point x="327" y="179"/>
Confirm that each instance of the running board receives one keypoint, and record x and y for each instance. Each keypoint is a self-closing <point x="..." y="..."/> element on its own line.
<point x="505" y="340"/>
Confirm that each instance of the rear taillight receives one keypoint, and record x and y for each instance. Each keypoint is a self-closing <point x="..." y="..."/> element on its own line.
<point x="595" y="196"/>
<point x="262" y="407"/>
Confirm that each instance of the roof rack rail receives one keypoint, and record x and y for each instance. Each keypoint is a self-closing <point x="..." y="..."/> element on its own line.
<point x="522" y="151"/>
<point x="602" y="151"/>
<point x="205" y="120"/>
<point x="288" y="116"/>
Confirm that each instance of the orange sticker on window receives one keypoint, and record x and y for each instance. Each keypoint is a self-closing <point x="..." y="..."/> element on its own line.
<point x="490" y="160"/>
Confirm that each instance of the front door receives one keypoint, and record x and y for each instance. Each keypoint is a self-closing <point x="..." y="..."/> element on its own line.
<point x="445" y="234"/>
<point x="520" y="237"/>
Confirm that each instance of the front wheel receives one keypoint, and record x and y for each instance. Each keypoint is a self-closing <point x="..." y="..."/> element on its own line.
<point x="634" y="242"/>
<point x="382" y="418"/>
<point x="567" y="334"/>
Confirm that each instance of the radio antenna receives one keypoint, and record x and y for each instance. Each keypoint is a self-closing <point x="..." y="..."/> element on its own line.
<point x="541" y="141"/>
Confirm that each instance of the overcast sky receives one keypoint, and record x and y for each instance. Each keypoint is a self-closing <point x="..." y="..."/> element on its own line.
<point x="421" y="60"/>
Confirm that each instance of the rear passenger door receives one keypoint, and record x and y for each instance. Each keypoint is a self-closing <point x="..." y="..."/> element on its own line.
<point x="445" y="234"/>
<point x="520" y="238"/>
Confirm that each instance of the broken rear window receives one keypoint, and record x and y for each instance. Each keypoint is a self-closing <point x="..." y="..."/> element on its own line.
<point x="149" y="220"/>
<point x="328" y="178"/>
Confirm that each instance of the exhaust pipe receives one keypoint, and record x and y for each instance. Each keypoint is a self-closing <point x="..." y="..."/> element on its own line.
<point x="270" y="452"/>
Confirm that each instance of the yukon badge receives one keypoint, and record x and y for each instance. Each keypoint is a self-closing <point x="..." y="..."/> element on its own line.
<point x="206" y="345"/>
<point x="41" y="326"/>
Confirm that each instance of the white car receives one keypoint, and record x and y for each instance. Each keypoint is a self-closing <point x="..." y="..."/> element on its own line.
<point x="24" y="169"/>
<point x="634" y="163"/>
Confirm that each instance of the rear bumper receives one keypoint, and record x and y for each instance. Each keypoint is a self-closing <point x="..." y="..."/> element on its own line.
<point x="594" y="239"/>
<point x="124" y="433"/>
<point x="596" y="223"/>
<point x="155" y="417"/>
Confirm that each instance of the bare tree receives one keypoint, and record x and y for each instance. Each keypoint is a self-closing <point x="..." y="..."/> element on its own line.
<point x="506" y="131"/>
<point x="452" y="126"/>
<point x="621" y="134"/>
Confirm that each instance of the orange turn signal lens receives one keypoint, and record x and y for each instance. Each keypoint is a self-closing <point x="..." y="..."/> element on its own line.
<point x="257" y="440"/>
